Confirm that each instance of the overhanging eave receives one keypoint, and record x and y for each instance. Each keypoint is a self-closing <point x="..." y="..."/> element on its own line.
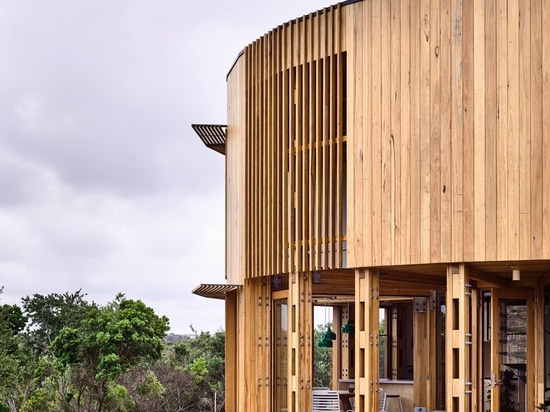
<point x="214" y="291"/>
<point x="212" y="135"/>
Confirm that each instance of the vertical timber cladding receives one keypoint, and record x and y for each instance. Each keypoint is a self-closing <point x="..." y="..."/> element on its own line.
<point x="367" y="305"/>
<point x="235" y="176"/>
<point x="449" y="129"/>
<point x="301" y="342"/>
<point x="295" y="147"/>
<point x="458" y="340"/>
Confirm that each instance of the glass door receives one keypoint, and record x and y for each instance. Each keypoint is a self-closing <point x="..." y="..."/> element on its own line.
<point x="508" y="347"/>
<point x="513" y="354"/>
<point x="280" y="351"/>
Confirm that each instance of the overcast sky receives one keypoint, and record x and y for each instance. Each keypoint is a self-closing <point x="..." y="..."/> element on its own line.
<point x="104" y="186"/>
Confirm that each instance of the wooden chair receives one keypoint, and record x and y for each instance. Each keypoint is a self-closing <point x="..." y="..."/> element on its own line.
<point x="326" y="401"/>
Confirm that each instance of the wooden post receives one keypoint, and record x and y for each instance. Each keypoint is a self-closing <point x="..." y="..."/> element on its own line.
<point x="339" y="364"/>
<point x="301" y="343"/>
<point x="256" y="358"/>
<point x="394" y="349"/>
<point x="231" y="352"/>
<point x="459" y="340"/>
<point x="367" y="305"/>
<point x="425" y="366"/>
<point x="345" y="364"/>
<point x="538" y="333"/>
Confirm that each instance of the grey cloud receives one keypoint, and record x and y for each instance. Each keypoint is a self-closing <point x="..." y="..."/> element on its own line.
<point x="104" y="186"/>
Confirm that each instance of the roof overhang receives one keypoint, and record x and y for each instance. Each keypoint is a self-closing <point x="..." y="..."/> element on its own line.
<point x="212" y="135"/>
<point x="214" y="291"/>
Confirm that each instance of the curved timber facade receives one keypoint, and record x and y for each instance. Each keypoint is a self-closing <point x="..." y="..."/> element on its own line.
<point x="391" y="159"/>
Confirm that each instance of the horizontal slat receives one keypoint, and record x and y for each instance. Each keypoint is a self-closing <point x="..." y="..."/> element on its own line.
<point x="214" y="291"/>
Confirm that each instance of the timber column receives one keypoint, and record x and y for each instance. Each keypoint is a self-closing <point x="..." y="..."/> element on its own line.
<point x="367" y="305"/>
<point x="458" y="340"/>
<point x="255" y="360"/>
<point x="301" y="341"/>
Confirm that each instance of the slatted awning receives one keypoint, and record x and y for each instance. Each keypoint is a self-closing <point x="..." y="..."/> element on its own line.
<point x="212" y="135"/>
<point x="214" y="291"/>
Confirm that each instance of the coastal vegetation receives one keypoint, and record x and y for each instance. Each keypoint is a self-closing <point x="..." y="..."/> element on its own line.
<point x="61" y="352"/>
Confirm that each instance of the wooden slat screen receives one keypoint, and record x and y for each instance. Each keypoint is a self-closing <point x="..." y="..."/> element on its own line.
<point x="405" y="132"/>
<point x="295" y="147"/>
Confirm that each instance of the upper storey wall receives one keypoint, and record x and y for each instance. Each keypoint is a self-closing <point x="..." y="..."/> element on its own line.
<point x="392" y="132"/>
<point x="289" y="215"/>
<point x="449" y="144"/>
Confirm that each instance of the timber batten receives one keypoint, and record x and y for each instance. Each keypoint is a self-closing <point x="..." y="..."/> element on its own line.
<point x="214" y="291"/>
<point x="294" y="148"/>
<point x="390" y="158"/>
<point x="212" y="135"/>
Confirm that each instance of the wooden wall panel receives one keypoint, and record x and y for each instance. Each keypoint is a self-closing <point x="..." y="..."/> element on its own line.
<point x="456" y="151"/>
<point x="406" y="132"/>
<point x="235" y="175"/>
<point x="546" y="129"/>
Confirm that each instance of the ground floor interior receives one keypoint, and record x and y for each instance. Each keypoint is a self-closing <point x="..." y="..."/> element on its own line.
<point x="456" y="337"/>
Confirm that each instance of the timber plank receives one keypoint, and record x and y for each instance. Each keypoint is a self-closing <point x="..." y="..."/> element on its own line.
<point x="404" y="194"/>
<point x="395" y="130"/>
<point x="376" y="131"/>
<point x="435" y="132"/>
<point x="386" y="206"/>
<point x="525" y="140"/>
<point x="468" y="139"/>
<point x="366" y="208"/>
<point x="546" y="129"/>
<point x="425" y="165"/>
<point x="537" y="150"/>
<point x="445" y="138"/>
<point x="479" y="138"/>
<point x="491" y="115"/>
<point x="415" y="171"/>
<point x="502" y="127"/>
<point x="513" y="129"/>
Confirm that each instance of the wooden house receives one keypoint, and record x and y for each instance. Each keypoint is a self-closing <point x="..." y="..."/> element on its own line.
<point x="390" y="159"/>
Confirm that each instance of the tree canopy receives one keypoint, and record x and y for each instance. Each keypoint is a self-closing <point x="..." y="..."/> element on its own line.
<point x="60" y="352"/>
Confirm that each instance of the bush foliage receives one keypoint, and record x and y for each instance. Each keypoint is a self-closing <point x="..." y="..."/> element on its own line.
<point x="60" y="352"/>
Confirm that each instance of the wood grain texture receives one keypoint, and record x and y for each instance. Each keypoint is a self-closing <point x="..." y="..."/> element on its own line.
<point x="387" y="132"/>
